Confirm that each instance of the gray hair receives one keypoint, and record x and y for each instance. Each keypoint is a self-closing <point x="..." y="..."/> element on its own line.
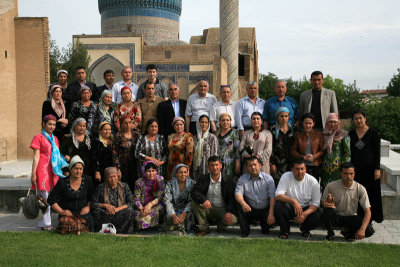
<point x="280" y="81"/>
<point x="250" y="83"/>
<point x="173" y="84"/>
<point x="125" y="67"/>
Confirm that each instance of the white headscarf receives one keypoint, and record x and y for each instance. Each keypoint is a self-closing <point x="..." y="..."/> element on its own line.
<point x="198" y="152"/>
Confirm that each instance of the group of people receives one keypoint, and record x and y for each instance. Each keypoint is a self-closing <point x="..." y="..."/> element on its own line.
<point x="142" y="157"/>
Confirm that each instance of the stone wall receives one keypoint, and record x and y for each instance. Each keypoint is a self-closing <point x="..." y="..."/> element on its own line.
<point x="32" y="69"/>
<point x="8" y="99"/>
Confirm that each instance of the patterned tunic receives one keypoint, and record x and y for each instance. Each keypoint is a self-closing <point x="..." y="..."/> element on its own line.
<point x="124" y="157"/>
<point x="155" y="192"/>
<point x="210" y="148"/>
<point x="180" y="151"/>
<point x="156" y="149"/>
<point x="341" y="153"/>
<point x="78" y="110"/>
<point x="229" y="151"/>
<point x="134" y="111"/>
<point x="281" y="147"/>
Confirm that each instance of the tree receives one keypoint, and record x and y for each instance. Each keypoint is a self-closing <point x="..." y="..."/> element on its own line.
<point x="393" y="88"/>
<point x="68" y="59"/>
<point x="383" y="115"/>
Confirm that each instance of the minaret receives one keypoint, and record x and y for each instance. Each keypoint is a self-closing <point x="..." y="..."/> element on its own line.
<point x="229" y="39"/>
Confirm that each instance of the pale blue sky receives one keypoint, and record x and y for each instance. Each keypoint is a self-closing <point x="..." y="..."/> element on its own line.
<point x="348" y="39"/>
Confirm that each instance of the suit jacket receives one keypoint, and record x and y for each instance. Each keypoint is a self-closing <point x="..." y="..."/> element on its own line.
<point x="72" y="91"/>
<point x="96" y="93"/>
<point x="166" y="114"/>
<point x="200" y="189"/>
<point x="317" y="146"/>
<point x="328" y="103"/>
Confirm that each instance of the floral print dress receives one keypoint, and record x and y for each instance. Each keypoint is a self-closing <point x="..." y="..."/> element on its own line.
<point x="180" y="151"/>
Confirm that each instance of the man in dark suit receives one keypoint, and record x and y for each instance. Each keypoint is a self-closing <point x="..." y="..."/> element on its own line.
<point x="167" y="110"/>
<point x="108" y="77"/>
<point x="213" y="198"/>
<point x="72" y="91"/>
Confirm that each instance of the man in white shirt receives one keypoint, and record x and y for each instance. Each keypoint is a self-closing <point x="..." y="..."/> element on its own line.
<point x="198" y="104"/>
<point x="225" y="105"/>
<point x="297" y="197"/>
<point x="126" y="74"/>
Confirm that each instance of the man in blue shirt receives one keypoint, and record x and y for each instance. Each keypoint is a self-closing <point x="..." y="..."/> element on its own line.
<point x="280" y="100"/>
<point x="255" y="194"/>
<point x="247" y="106"/>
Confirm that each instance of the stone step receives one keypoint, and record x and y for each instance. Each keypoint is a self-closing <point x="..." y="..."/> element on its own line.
<point x="21" y="168"/>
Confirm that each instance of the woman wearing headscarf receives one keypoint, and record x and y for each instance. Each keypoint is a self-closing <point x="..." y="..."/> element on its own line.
<point x="180" y="147"/>
<point x="102" y="154"/>
<point x="178" y="204"/>
<point x="72" y="195"/>
<point x="47" y="163"/>
<point x="82" y="108"/>
<point x="148" y="197"/>
<point x="336" y="150"/>
<point x="128" y="107"/>
<point x="365" y="144"/>
<point x="78" y="143"/>
<point x="103" y="112"/>
<point x="124" y="144"/>
<point x="206" y="145"/>
<point x="283" y="134"/>
<point x="229" y="143"/>
<point x="56" y="107"/>
<point x="257" y="142"/>
<point x="151" y="147"/>
<point x="112" y="202"/>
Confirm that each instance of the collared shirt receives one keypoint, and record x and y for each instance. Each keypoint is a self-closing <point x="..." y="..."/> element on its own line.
<point x="214" y="194"/>
<point x="346" y="200"/>
<point x="116" y="91"/>
<point x="149" y="109"/>
<point x="161" y="89"/>
<point x="175" y="106"/>
<point x="273" y="103"/>
<point x="108" y="87"/>
<point x="219" y="108"/>
<point x="244" y="108"/>
<point x="256" y="192"/>
<point x="197" y="106"/>
<point x="306" y="191"/>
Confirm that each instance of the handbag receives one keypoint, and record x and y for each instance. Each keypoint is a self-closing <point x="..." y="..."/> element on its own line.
<point x="72" y="225"/>
<point x="32" y="204"/>
<point x="108" y="228"/>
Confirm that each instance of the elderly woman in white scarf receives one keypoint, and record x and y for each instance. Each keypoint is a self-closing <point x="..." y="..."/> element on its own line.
<point x="56" y="107"/>
<point x="78" y="143"/>
<point x="336" y="150"/>
<point x="103" y="112"/>
<point x="179" y="217"/>
<point x="206" y="145"/>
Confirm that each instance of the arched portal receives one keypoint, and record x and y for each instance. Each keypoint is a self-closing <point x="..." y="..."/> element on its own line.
<point x="106" y="62"/>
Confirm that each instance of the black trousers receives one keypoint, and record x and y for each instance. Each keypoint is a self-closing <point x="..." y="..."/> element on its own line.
<point x="192" y="128"/>
<point x="314" y="171"/>
<point x="353" y="223"/>
<point x="255" y="214"/>
<point x="285" y="212"/>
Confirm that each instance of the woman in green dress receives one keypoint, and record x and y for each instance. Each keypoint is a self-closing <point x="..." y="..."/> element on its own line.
<point x="336" y="150"/>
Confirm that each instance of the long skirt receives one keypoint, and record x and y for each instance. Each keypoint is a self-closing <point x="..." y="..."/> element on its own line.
<point x="123" y="220"/>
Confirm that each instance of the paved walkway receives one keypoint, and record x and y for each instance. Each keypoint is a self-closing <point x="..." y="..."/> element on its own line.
<point x="387" y="232"/>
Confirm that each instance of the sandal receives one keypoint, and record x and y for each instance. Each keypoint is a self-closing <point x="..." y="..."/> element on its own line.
<point x="284" y="236"/>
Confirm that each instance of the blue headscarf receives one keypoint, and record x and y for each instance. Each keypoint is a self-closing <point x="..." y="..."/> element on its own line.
<point x="279" y="111"/>
<point x="57" y="160"/>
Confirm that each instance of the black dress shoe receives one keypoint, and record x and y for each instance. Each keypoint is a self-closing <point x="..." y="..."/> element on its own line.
<point x="244" y="234"/>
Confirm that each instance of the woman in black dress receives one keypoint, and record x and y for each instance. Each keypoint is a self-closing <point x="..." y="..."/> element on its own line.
<point x="365" y="146"/>
<point x="72" y="195"/>
<point x="102" y="154"/>
<point x="57" y="107"/>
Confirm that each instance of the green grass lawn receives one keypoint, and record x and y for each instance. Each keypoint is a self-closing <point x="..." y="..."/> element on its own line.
<point x="52" y="249"/>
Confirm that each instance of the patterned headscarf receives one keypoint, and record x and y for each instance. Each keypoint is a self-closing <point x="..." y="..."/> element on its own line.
<point x="59" y="108"/>
<point x="277" y="128"/>
<point x="153" y="184"/>
<point x="332" y="136"/>
<point x="198" y="153"/>
<point x="102" y="106"/>
<point x="74" y="140"/>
